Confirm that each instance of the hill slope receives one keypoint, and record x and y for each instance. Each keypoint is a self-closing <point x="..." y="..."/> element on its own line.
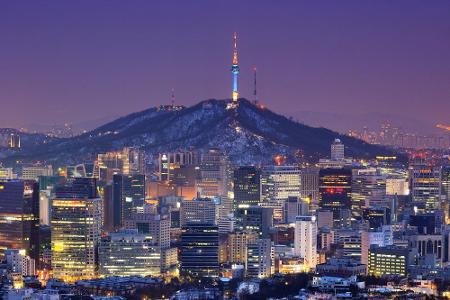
<point x="249" y="134"/>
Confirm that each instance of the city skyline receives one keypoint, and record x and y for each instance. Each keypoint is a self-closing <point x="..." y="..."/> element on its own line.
<point x="310" y="57"/>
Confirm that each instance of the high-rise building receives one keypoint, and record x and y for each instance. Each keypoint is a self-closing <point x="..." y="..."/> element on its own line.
<point x="47" y="186"/>
<point x="128" y="193"/>
<point x="75" y="230"/>
<point x="237" y="245"/>
<point x="425" y="181"/>
<point x="294" y="207"/>
<point x="368" y="189"/>
<point x="337" y="150"/>
<point x="277" y="184"/>
<point x="155" y="227"/>
<point x="305" y="240"/>
<point x="19" y="216"/>
<point x="247" y="186"/>
<point x="335" y="190"/>
<point x="380" y="237"/>
<point x="259" y="258"/>
<point x="198" y="211"/>
<point x="254" y="218"/>
<point x="129" y="253"/>
<point x="127" y="162"/>
<point x="199" y="255"/>
<point x="309" y="186"/>
<point x="388" y="261"/>
<point x="377" y="216"/>
<point x="33" y="172"/>
<point x="215" y="175"/>
<point x="18" y="262"/>
<point x="445" y="182"/>
<point x="397" y="186"/>
<point x="169" y="162"/>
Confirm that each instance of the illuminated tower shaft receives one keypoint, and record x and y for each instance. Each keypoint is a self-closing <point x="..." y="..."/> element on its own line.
<point x="235" y="70"/>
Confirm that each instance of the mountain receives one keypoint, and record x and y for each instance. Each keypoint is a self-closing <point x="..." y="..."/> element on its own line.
<point x="248" y="133"/>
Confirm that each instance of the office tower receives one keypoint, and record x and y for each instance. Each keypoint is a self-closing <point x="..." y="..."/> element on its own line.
<point x="198" y="211"/>
<point x="136" y="161"/>
<point x="75" y="230"/>
<point x="368" y="189"/>
<point x="169" y="162"/>
<point x="237" y="245"/>
<point x="294" y="207"/>
<point x="337" y="150"/>
<point x="19" y="216"/>
<point x="259" y="258"/>
<point x="388" y="261"/>
<point x="277" y="184"/>
<point x="254" y="218"/>
<point x="377" y="216"/>
<point x="33" y="172"/>
<point x="129" y="253"/>
<point x="129" y="161"/>
<point x="325" y="218"/>
<point x="18" y="262"/>
<point x="75" y="171"/>
<point x="350" y="245"/>
<point x="128" y="194"/>
<point x="379" y="237"/>
<point x="309" y="186"/>
<point x="305" y="240"/>
<point x="199" y="253"/>
<point x="215" y="174"/>
<point x="154" y="226"/>
<point x="445" y="182"/>
<point x="247" y="186"/>
<point x="112" y="217"/>
<point x="47" y="186"/>
<point x="335" y="190"/>
<point x="397" y="185"/>
<point x="185" y="179"/>
<point x="425" y="181"/>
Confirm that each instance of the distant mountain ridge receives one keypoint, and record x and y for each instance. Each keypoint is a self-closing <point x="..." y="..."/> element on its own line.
<point x="249" y="134"/>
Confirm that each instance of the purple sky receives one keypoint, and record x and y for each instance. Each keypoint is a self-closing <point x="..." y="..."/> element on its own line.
<point x="83" y="60"/>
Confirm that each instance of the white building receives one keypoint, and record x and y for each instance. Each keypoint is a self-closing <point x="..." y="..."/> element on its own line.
<point x="198" y="211"/>
<point x="305" y="240"/>
<point x="128" y="253"/>
<point x="337" y="150"/>
<point x="18" y="262"/>
<point x="33" y="172"/>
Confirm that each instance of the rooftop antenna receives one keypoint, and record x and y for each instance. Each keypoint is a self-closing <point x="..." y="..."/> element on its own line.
<point x="172" y="98"/>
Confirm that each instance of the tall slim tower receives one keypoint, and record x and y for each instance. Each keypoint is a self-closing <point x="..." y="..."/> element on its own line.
<point x="235" y="70"/>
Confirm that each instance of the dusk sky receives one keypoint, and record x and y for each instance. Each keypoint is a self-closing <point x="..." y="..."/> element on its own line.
<point x="74" y="61"/>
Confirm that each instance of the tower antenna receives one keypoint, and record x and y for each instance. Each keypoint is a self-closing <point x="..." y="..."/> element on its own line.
<point x="172" y="98"/>
<point x="255" y="95"/>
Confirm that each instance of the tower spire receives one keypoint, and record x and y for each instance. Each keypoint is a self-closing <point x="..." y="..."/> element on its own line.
<point x="235" y="70"/>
